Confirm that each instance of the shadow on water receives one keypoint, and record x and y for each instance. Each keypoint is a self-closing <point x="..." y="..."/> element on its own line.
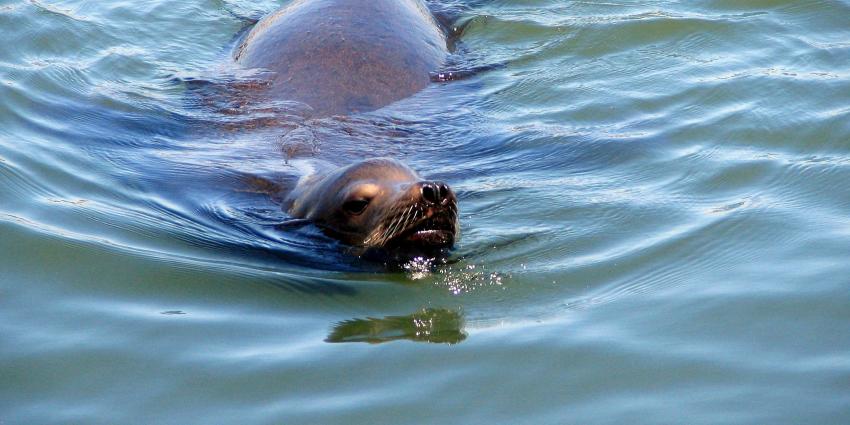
<point x="438" y="326"/>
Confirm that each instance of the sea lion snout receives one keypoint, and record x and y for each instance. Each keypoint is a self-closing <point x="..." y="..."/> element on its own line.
<point x="436" y="193"/>
<point x="428" y="221"/>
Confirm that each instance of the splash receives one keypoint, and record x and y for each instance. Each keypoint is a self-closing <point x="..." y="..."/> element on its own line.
<point x="458" y="279"/>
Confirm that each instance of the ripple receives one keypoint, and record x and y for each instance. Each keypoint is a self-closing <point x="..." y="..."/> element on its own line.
<point x="653" y="213"/>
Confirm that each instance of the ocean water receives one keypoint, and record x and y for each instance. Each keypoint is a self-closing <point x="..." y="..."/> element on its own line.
<point x="654" y="209"/>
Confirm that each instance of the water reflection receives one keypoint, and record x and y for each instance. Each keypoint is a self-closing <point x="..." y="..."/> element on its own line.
<point x="435" y="325"/>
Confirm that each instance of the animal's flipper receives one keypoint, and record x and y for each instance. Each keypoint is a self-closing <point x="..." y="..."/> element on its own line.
<point x="454" y="18"/>
<point x="454" y="74"/>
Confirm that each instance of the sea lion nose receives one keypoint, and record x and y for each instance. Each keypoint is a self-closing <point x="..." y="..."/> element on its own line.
<point x="435" y="192"/>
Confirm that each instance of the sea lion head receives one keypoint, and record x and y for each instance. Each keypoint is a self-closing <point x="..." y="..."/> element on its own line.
<point x="379" y="203"/>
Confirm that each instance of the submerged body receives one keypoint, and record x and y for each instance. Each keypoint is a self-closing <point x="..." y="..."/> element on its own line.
<point x="345" y="56"/>
<point x="349" y="56"/>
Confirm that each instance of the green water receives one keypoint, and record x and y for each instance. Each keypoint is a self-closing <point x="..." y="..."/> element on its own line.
<point x="654" y="213"/>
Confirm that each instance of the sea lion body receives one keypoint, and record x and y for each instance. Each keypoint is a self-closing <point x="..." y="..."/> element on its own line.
<point x="346" y="56"/>
<point x="349" y="56"/>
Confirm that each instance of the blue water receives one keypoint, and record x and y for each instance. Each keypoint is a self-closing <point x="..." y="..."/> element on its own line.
<point x="654" y="224"/>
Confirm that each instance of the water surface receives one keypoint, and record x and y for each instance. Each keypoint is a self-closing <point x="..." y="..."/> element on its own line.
<point x="653" y="207"/>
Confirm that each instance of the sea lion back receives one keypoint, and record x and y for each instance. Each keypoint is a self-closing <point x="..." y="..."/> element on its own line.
<point x="345" y="56"/>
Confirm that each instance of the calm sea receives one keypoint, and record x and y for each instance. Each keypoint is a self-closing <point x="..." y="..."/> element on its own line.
<point x="655" y="213"/>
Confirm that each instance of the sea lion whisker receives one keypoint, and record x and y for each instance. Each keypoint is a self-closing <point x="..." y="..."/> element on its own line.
<point x="407" y="219"/>
<point x="377" y="236"/>
<point x="403" y="223"/>
<point x="414" y="216"/>
<point x="389" y="230"/>
<point x="381" y="234"/>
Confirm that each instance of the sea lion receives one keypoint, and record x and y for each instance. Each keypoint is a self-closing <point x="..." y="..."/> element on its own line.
<point x="345" y="57"/>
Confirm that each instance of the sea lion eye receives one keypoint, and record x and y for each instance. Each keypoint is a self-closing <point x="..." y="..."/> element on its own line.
<point x="355" y="206"/>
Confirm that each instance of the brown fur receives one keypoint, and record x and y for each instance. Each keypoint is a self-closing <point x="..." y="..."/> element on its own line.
<point x="345" y="56"/>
